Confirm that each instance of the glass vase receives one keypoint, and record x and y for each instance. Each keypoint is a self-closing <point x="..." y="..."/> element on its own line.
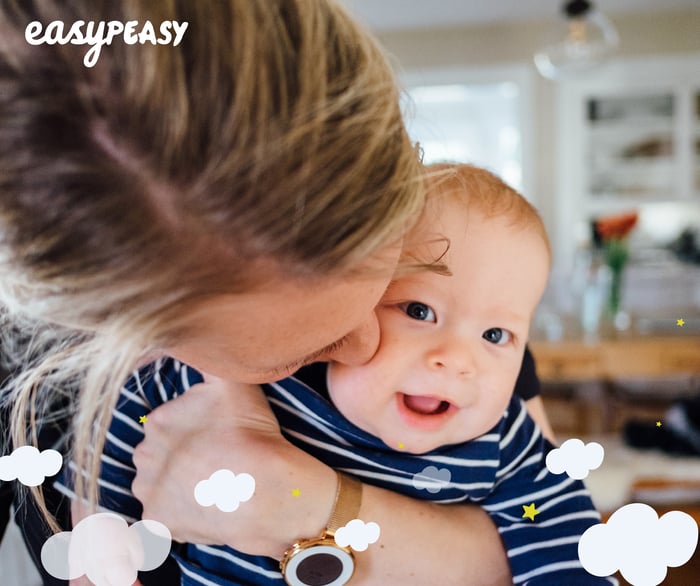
<point x="616" y="256"/>
<point x="615" y="292"/>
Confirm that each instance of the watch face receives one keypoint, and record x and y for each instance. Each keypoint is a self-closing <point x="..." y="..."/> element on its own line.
<point x="319" y="565"/>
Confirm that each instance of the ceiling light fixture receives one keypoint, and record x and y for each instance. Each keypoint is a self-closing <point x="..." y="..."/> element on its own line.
<point x="588" y="39"/>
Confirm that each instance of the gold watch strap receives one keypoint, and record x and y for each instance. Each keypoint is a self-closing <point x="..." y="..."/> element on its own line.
<point x="348" y="498"/>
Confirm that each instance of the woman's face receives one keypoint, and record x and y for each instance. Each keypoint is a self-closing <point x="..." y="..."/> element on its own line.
<point x="266" y="334"/>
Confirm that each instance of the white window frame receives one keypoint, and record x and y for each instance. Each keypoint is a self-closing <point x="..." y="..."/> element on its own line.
<point x="519" y="74"/>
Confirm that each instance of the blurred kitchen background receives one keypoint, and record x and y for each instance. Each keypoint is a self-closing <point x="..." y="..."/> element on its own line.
<point x="623" y="135"/>
<point x="592" y="110"/>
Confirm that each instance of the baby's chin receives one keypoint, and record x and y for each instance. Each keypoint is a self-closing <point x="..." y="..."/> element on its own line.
<point x="416" y="446"/>
<point x="424" y="442"/>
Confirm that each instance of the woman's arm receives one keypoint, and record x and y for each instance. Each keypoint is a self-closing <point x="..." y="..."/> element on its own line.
<point x="426" y="543"/>
<point x="117" y="470"/>
<point x="215" y="426"/>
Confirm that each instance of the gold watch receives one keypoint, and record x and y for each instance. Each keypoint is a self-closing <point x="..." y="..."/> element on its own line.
<point x="320" y="561"/>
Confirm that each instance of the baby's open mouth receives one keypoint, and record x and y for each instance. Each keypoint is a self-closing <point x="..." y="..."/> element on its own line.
<point x="424" y="412"/>
<point x="425" y="405"/>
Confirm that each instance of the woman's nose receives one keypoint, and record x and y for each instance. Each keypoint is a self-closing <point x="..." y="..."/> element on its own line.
<point x="359" y="345"/>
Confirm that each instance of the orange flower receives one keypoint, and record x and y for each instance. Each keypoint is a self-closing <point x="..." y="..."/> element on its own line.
<point x="617" y="226"/>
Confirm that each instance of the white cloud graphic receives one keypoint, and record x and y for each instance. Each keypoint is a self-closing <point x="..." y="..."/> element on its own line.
<point x="432" y="479"/>
<point x="639" y="544"/>
<point x="575" y="458"/>
<point x="357" y="534"/>
<point x="105" y="549"/>
<point x="224" y="489"/>
<point x="29" y="465"/>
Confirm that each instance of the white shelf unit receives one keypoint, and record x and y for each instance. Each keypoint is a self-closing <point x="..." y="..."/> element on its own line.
<point x="628" y="136"/>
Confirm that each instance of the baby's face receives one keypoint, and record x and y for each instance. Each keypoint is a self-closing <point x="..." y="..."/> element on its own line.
<point x="451" y="346"/>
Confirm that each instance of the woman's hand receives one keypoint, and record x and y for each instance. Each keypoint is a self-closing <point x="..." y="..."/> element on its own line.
<point x="219" y="424"/>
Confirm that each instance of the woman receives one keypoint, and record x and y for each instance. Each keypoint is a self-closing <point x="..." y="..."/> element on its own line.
<point x="237" y="202"/>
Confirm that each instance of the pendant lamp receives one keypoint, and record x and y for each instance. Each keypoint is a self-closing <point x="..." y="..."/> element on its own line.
<point x="586" y="37"/>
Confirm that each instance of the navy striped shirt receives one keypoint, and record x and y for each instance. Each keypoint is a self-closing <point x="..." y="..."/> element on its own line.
<point x="501" y="471"/>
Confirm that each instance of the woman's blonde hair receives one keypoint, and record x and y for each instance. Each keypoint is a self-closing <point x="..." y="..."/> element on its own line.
<point x="157" y="178"/>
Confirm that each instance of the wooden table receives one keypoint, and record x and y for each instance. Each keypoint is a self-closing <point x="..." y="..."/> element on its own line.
<point x="611" y="364"/>
<point x="615" y="363"/>
<point x="619" y="358"/>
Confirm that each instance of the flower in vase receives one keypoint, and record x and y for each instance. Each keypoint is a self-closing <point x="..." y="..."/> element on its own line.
<point x="613" y="232"/>
<point x="616" y="227"/>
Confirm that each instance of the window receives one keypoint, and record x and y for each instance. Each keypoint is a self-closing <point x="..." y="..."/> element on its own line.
<point x="472" y="124"/>
<point x="472" y="118"/>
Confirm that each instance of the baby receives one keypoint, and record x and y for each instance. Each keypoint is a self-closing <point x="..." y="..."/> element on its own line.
<point x="439" y="390"/>
<point x="432" y="414"/>
<point x="452" y="344"/>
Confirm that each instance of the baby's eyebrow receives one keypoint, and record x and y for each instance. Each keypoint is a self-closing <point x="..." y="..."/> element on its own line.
<point x="410" y="266"/>
<point x="506" y="313"/>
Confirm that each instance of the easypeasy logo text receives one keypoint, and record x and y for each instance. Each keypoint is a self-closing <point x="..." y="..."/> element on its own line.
<point x="102" y="33"/>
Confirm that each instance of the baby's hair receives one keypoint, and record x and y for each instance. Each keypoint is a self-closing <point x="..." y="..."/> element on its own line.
<point x="476" y="188"/>
<point x="163" y="176"/>
<point x="484" y="191"/>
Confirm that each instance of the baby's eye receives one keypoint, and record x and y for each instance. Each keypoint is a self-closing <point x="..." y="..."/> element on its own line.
<point x="419" y="311"/>
<point x="497" y="336"/>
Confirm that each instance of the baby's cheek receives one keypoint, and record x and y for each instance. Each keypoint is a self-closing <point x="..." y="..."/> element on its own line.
<point x="496" y="400"/>
<point x="343" y="383"/>
<point x="355" y="392"/>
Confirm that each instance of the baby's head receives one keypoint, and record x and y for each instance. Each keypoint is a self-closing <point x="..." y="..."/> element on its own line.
<point x="453" y="336"/>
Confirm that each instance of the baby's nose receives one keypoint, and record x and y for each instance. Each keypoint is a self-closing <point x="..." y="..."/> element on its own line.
<point x="453" y="359"/>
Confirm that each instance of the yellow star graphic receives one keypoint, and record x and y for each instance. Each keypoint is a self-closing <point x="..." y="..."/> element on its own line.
<point x="658" y="424"/>
<point x="530" y="511"/>
<point x="143" y="419"/>
<point x="401" y="445"/>
<point x="296" y="492"/>
<point x="680" y="322"/>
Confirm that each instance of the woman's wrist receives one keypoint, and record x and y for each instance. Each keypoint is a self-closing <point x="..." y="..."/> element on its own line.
<point x="295" y="497"/>
<point x="311" y="496"/>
